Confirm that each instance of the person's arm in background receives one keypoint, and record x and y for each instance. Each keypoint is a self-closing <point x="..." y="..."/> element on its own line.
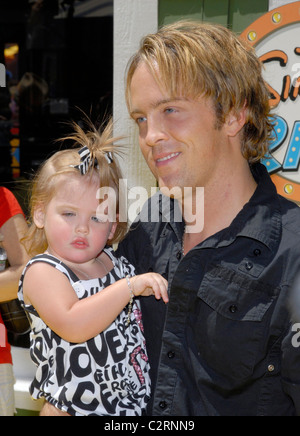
<point x="12" y="231"/>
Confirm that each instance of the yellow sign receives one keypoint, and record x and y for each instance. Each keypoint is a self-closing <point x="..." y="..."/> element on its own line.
<point x="276" y="38"/>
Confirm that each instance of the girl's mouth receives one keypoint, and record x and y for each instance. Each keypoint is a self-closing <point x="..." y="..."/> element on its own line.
<point x="80" y="243"/>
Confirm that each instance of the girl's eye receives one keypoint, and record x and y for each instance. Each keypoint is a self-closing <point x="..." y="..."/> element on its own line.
<point x="98" y="219"/>
<point x="68" y="214"/>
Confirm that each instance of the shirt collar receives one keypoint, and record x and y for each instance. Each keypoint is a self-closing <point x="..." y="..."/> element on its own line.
<point x="260" y="219"/>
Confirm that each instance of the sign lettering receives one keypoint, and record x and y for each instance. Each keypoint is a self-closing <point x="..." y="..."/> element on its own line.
<point x="275" y="37"/>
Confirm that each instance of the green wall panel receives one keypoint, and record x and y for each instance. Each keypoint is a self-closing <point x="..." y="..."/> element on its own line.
<point x="170" y="11"/>
<point x="242" y="13"/>
<point x="236" y="14"/>
<point x="216" y="11"/>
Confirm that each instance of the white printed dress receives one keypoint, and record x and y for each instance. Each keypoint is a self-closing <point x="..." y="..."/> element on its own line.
<point x="105" y="376"/>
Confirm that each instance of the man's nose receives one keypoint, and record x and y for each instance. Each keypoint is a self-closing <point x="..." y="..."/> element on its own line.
<point x="156" y="132"/>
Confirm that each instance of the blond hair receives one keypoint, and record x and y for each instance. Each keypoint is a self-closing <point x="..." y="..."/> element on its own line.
<point x="194" y="59"/>
<point x="46" y="181"/>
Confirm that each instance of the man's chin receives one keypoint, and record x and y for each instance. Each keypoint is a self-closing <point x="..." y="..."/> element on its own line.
<point x="174" y="192"/>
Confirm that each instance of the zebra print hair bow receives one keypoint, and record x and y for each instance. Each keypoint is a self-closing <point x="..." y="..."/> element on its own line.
<point x="86" y="158"/>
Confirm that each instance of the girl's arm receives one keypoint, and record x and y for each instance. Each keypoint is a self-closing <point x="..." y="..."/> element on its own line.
<point x="56" y="302"/>
<point x="12" y="231"/>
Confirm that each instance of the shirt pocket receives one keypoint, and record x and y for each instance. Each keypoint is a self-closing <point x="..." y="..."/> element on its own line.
<point x="232" y="323"/>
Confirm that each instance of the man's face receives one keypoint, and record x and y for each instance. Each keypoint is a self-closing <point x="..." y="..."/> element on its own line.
<point x="178" y="136"/>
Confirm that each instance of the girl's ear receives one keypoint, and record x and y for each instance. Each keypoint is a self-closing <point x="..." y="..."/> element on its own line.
<point x="112" y="231"/>
<point x="39" y="216"/>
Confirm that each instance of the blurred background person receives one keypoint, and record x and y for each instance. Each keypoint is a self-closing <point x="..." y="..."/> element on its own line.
<point x="12" y="229"/>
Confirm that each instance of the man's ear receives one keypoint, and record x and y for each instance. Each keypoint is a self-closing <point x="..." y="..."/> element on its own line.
<point x="39" y="216"/>
<point x="236" y="121"/>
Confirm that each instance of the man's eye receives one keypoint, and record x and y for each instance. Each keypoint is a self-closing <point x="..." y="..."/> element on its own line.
<point x="140" y="120"/>
<point x="170" y="110"/>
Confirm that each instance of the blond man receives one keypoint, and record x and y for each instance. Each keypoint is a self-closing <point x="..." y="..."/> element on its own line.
<point x="224" y="345"/>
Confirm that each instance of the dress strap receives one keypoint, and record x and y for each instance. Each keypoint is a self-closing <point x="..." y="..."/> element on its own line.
<point x="55" y="263"/>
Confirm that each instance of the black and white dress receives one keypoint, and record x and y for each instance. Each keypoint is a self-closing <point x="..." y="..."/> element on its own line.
<point x="107" y="375"/>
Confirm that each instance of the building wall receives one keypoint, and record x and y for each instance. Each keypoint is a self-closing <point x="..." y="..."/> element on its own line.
<point x="132" y="20"/>
<point x="236" y="14"/>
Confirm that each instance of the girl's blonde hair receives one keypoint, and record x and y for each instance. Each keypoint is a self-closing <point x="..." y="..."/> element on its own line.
<point x="46" y="181"/>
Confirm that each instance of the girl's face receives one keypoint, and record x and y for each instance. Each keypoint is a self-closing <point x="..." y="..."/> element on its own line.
<point x="76" y="228"/>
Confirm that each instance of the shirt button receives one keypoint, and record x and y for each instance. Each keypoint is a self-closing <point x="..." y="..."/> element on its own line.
<point x="257" y="252"/>
<point x="233" y="308"/>
<point x="271" y="368"/>
<point x="171" y="354"/>
<point x="249" y="266"/>
<point x="179" y="255"/>
<point x="162" y="405"/>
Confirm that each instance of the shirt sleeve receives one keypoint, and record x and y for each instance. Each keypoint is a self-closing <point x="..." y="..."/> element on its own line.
<point x="9" y="206"/>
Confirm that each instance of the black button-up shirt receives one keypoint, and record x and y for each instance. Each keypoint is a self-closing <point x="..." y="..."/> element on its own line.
<point x="224" y="343"/>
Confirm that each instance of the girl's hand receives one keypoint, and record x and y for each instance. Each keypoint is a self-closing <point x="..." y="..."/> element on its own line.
<point x="150" y="284"/>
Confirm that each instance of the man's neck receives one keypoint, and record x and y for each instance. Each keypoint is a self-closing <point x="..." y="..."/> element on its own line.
<point x="223" y="200"/>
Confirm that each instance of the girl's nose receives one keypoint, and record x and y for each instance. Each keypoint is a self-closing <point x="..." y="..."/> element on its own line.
<point x="82" y="228"/>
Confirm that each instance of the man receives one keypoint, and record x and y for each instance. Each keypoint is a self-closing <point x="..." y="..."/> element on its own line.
<point x="223" y="345"/>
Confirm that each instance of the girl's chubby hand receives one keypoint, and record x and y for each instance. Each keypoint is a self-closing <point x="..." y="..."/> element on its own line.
<point x="150" y="284"/>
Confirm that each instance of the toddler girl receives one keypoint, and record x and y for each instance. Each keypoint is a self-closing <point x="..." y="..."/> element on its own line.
<point x="87" y="335"/>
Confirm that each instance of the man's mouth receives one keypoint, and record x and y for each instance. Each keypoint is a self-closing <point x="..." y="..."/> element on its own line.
<point x="166" y="158"/>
